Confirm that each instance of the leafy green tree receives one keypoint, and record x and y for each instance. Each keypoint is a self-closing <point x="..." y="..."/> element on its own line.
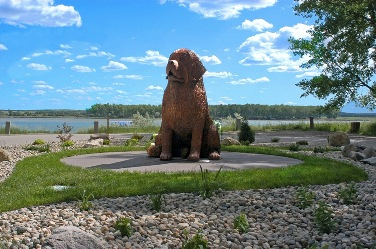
<point x="343" y="47"/>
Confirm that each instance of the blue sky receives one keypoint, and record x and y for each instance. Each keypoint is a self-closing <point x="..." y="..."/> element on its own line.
<point x="73" y="54"/>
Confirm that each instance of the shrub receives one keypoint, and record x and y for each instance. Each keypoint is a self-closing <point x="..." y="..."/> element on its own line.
<point x="141" y="121"/>
<point x="246" y="134"/>
<point x="302" y="142"/>
<point x="106" y="142"/>
<point x="324" y="218"/>
<point x="274" y="140"/>
<point x="319" y="149"/>
<point x="124" y="225"/>
<point x="38" y="142"/>
<point x="40" y="148"/>
<point x="294" y="147"/>
<point x="196" y="242"/>
<point x="137" y="136"/>
<point x="348" y="194"/>
<point x="131" y="142"/>
<point x="304" y="198"/>
<point x="64" y="132"/>
<point x="241" y="223"/>
<point x="67" y="143"/>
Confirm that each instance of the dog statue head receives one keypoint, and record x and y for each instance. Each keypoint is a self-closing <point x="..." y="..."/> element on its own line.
<point x="184" y="66"/>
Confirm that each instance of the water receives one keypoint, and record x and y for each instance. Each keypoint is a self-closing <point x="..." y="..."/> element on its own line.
<point x="50" y="124"/>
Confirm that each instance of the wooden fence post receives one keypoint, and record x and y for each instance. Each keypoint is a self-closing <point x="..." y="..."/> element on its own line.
<point x="311" y="123"/>
<point x="96" y="127"/>
<point x="7" y="127"/>
<point x="355" y="127"/>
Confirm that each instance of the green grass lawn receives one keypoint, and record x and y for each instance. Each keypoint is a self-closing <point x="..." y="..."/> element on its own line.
<point x="30" y="184"/>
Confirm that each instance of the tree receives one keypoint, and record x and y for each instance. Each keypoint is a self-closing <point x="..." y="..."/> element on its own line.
<point x="343" y="47"/>
<point x="246" y="134"/>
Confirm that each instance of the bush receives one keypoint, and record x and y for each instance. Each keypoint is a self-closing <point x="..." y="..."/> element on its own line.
<point x="124" y="225"/>
<point x="39" y="148"/>
<point x="131" y="142"/>
<point x="319" y="149"/>
<point x="67" y="143"/>
<point x="324" y="218"/>
<point x="275" y="140"/>
<point x="246" y="134"/>
<point x="348" y="194"/>
<point x="241" y="223"/>
<point x="304" y="198"/>
<point x="38" y="142"/>
<point x="302" y="142"/>
<point x="106" y="142"/>
<point x="197" y="242"/>
<point x="294" y="147"/>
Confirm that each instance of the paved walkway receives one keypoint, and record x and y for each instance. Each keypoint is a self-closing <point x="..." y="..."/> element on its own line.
<point x="139" y="161"/>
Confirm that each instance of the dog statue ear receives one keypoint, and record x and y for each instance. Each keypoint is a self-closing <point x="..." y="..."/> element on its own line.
<point x="197" y="69"/>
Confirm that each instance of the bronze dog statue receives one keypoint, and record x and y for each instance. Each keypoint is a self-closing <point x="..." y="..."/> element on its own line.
<point x="187" y="129"/>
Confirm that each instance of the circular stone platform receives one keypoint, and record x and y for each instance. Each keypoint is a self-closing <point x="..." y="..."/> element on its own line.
<point x="140" y="162"/>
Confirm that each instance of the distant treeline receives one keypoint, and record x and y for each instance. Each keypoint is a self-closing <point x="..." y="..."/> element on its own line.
<point x="248" y="111"/>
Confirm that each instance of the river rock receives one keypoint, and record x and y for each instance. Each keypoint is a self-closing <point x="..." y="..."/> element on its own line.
<point x="69" y="237"/>
<point x="94" y="143"/>
<point x="4" y="155"/>
<point x="227" y="141"/>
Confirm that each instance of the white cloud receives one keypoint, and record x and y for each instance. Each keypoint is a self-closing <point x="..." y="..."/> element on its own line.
<point x="218" y="74"/>
<point x="118" y="84"/>
<point x="1" y="83"/>
<point x="50" y="52"/>
<point x="65" y="46"/>
<point x="248" y="81"/>
<point x="152" y="58"/>
<point x="38" y="92"/>
<point x="25" y="58"/>
<point x="42" y="85"/>
<point x="222" y="9"/>
<point x="131" y="76"/>
<point x="308" y="74"/>
<point x="39" y="13"/>
<point x="151" y="87"/>
<point x="95" y="54"/>
<point x="211" y="59"/>
<point x="71" y="91"/>
<point x="38" y="67"/>
<point x="3" y="47"/>
<point x="256" y="25"/>
<point x="225" y="98"/>
<point x="121" y="92"/>
<point x="114" y="66"/>
<point x="297" y="31"/>
<point x="69" y="60"/>
<point x="82" y="69"/>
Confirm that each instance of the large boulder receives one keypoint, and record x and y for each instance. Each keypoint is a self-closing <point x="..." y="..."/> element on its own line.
<point x="70" y="237"/>
<point x="338" y="139"/>
<point x="347" y="149"/>
<point x="371" y="161"/>
<point x="227" y="141"/>
<point x="94" y="143"/>
<point x="5" y="155"/>
<point x="369" y="152"/>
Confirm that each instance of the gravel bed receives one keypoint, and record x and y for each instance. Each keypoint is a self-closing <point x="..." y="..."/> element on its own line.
<point x="274" y="220"/>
